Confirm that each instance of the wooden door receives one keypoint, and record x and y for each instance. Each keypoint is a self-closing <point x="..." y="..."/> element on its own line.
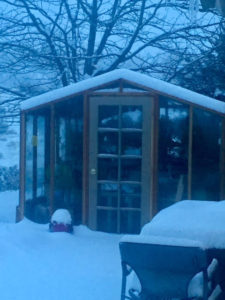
<point x="119" y="163"/>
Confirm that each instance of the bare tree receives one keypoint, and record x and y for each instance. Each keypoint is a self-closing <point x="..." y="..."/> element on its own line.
<point x="46" y="44"/>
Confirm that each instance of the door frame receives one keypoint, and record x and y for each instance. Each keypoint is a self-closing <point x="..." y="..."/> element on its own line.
<point x="148" y="154"/>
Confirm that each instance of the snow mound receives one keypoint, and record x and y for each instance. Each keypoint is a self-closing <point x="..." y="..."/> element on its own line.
<point x="202" y="221"/>
<point x="8" y="202"/>
<point x="61" y="216"/>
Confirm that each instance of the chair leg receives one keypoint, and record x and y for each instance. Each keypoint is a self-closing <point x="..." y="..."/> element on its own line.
<point x="124" y="281"/>
<point x="205" y="285"/>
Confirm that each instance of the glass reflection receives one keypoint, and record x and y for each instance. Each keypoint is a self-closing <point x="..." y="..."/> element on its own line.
<point x="108" y="116"/>
<point x="108" y="142"/>
<point x="29" y="157"/>
<point x="62" y="138"/>
<point x="130" y="221"/>
<point x="40" y="156"/>
<point x="130" y="195"/>
<point x="107" y="168"/>
<point x="108" y="194"/>
<point x="37" y="166"/>
<point x="131" y="143"/>
<point x="173" y="152"/>
<point x="69" y="157"/>
<point x="132" y="116"/>
<point x="206" y="156"/>
<point x="131" y="169"/>
<point x="107" y="220"/>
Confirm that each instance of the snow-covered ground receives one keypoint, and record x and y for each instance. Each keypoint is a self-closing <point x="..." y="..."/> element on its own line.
<point x="8" y="203"/>
<point x="38" y="265"/>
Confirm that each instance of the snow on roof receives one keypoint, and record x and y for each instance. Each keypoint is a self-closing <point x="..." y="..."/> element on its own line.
<point x="135" y="77"/>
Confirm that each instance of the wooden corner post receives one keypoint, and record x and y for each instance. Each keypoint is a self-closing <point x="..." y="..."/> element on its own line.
<point x="222" y="162"/>
<point x="85" y="185"/>
<point x="52" y="159"/>
<point x="20" y="207"/>
<point x="190" y="143"/>
<point x="154" y="154"/>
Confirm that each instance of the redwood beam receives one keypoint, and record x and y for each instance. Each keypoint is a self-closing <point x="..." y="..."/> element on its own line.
<point x="154" y="155"/>
<point x="85" y="185"/>
<point x="190" y="143"/>
<point x="52" y="159"/>
<point x="20" y="207"/>
<point x="222" y="162"/>
<point x="34" y="145"/>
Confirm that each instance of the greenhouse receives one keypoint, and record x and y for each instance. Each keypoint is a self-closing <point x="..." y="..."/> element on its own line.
<point x="117" y="148"/>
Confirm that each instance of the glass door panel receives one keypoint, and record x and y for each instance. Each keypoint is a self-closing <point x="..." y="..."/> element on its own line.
<point x="108" y="142"/>
<point x="29" y="157"/>
<point x="41" y="126"/>
<point x="130" y="221"/>
<point x="107" y="168"/>
<point x="131" y="116"/>
<point x="131" y="169"/>
<point x="117" y="162"/>
<point x="107" y="194"/>
<point x="107" y="220"/>
<point x="108" y="116"/>
<point x="130" y="195"/>
<point x="131" y="143"/>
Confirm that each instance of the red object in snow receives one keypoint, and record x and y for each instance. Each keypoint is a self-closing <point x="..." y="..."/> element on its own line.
<point x="60" y="227"/>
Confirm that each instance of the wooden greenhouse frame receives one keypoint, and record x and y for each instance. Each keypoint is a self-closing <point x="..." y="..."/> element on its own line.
<point x="101" y="90"/>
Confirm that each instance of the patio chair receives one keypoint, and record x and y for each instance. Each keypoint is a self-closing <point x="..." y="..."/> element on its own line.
<point x="164" y="271"/>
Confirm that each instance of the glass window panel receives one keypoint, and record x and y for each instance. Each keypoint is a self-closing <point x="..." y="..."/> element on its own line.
<point x="37" y="141"/>
<point x="107" y="220"/>
<point x="129" y="87"/>
<point x="40" y="156"/>
<point x="130" y="221"/>
<point x="173" y="152"/>
<point x="107" y="168"/>
<point x="108" y="142"/>
<point x="62" y="138"/>
<point x="132" y="116"/>
<point x="108" y="194"/>
<point x="206" y="156"/>
<point x="29" y="157"/>
<point x="131" y="169"/>
<point x="130" y="195"/>
<point x="69" y="157"/>
<point x="108" y="116"/>
<point x="131" y="143"/>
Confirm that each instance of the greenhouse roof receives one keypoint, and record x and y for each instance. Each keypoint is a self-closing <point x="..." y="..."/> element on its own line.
<point x="144" y="81"/>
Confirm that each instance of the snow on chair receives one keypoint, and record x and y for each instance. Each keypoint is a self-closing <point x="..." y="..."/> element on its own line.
<point x="164" y="271"/>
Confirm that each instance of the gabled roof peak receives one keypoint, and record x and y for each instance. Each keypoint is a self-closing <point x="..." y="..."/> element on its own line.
<point x="156" y="85"/>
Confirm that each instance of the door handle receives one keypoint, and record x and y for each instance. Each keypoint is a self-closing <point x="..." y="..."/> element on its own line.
<point x="93" y="171"/>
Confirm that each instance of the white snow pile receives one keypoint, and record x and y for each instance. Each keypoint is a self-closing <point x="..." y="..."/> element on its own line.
<point x="61" y="216"/>
<point x="39" y="265"/>
<point x="202" y="221"/>
<point x="8" y="203"/>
